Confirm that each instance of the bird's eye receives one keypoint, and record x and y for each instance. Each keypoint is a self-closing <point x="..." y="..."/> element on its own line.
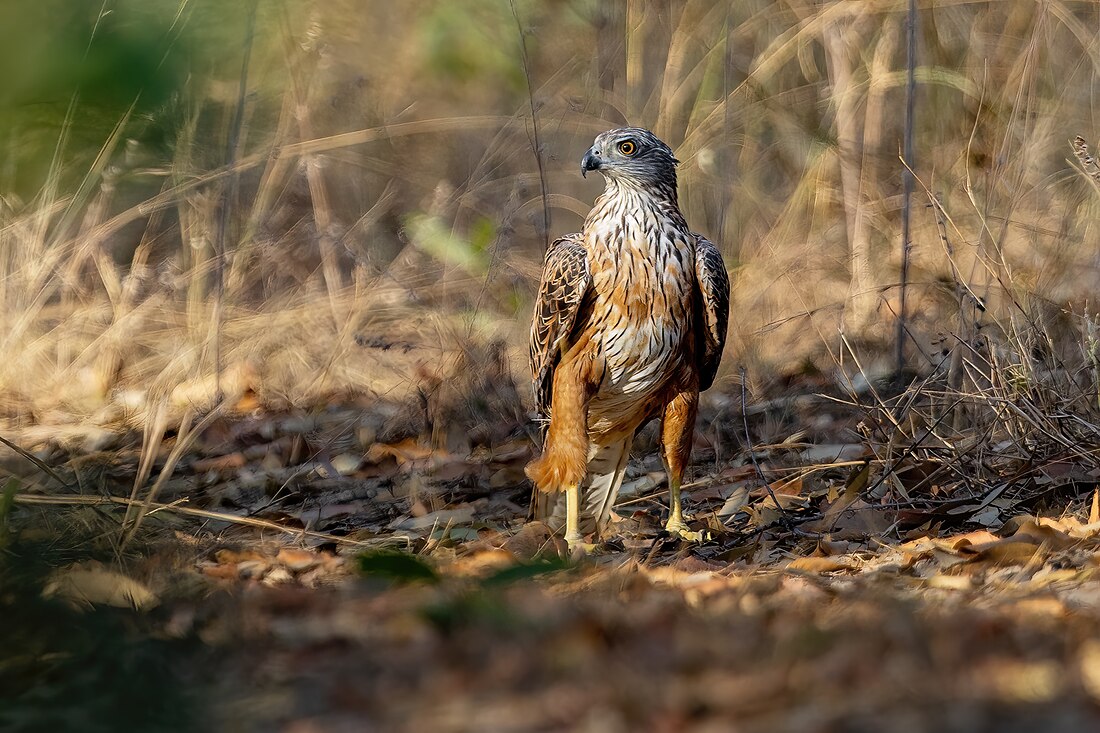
<point x="627" y="147"/>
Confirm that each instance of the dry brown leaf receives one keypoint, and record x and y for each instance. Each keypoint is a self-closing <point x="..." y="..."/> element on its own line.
<point x="404" y="451"/>
<point x="948" y="582"/>
<point x="296" y="559"/>
<point x="1089" y="664"/>
<point x="977" y="537"/>
<point x="227" y="556"/>
<point x="253" y="569"/>
<point x="792" y="487"/>
<point x="1010" y="551"/>
<point x="481" y="562"/>
<point x="229" y="462"/>
<point x="821" y="564"/>
<point x="828" y="547"/>
<point x="670" y="576"/>
<point x="1042" y="531"/>
<point x="90" y="585"/>
<point x="221" y="571"/>
<point x="532" y="539"/>
<point x="460" y="514"/>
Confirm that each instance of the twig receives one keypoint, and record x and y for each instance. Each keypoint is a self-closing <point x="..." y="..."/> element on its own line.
<point x="35" y="460"/>
<point x="193" y="512"/>
<point x="184" y="440"/>
<point x="752" y="453"/>
<point x="231" y="196"/>
<point x="907" y="178"/>
<point x="534" y="124"/>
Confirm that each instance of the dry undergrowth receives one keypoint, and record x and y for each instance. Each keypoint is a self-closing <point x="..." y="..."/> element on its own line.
<point x="249" y="370"/>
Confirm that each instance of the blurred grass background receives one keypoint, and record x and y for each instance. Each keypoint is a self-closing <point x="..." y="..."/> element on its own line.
<point x="327" y="197"/>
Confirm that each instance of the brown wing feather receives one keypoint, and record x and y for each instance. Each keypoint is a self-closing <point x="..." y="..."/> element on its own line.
<point x="565" y="279"/>
<point x="712" y="308"/>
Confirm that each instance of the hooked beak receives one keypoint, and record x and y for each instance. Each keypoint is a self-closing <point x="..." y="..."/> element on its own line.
<point x="590" y="162"/>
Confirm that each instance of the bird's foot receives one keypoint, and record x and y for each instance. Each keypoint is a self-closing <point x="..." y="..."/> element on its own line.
<point x="577" y="546"/>
<point x="680" y="529"/>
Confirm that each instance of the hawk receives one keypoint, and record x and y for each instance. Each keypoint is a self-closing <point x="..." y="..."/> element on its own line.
<point x="629" y="326"/>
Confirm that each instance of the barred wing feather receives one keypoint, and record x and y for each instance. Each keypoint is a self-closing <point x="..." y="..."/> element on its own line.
<point x="712" y="308"/>
<point x="565" y="280"/>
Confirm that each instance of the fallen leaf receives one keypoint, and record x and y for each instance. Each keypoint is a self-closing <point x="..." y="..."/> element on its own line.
<point x="226" y="556"/>
<point x="815" y="564"/>
<point x="91" y="585"/>
<point x="734" y="503"/>
<point x="1040" y="531"/>
<point x="791" y="487"/>
<point x="481" y="562"/>
<point x="459" y="515"/>
<point x="1089" y="664"/>
<point x="1010" y="551"/>
<point x="296" y="559"/>
<point x="229" y="462"/>
<point x="533" y="539"/>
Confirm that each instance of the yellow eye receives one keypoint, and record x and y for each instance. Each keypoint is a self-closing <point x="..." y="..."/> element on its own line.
<point x="627" y="147"/>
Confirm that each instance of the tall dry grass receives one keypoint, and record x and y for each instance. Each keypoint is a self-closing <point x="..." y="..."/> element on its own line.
<point x="361" y="198"/>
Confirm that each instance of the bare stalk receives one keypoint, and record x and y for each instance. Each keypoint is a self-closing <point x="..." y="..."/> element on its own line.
<point x="907" y="177"/>
<point x="537" y="142"/>
<point x="230" y="199"/>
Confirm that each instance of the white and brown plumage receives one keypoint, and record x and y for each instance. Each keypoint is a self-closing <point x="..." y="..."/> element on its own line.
<point x="629" y="326"/>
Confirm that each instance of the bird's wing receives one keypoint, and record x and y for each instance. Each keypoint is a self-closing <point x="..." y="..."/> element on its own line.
<point x="712" y="308"/>
<point x="565" y="279"/>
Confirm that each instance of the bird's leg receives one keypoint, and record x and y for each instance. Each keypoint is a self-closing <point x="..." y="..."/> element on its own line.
<point x="677" y="428"/>
<point x="573" y="537"/>
<point x="675" y="523"/>
<point x="572" y="516"/>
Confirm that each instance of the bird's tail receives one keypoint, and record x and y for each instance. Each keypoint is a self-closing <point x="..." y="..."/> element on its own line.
<point x="606" y="468"/>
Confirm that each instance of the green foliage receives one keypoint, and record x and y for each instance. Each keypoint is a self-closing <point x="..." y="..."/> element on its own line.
<point x="431" y="234"/>
<point x="525" y="571"/>
<point x="74" y="72"/>
<point x="469" y="41"/>
<point x="397" y="567"/>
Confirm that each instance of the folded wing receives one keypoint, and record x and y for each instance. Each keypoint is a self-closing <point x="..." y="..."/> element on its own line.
<point x="712" y="308"/>
<point x="565" y="280"/>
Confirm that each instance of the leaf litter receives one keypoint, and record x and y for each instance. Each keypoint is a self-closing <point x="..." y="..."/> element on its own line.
<point x="401" y="583"/>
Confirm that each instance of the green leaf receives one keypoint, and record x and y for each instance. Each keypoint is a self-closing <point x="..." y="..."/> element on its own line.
<point x="399" y="567"/>
<point x="525" y="571"/>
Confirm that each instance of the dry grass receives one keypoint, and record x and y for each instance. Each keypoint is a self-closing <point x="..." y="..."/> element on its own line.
<point x="373" y="181"/>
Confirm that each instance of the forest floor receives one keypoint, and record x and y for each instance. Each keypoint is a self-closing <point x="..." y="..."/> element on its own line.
<point x="315" y="572"/>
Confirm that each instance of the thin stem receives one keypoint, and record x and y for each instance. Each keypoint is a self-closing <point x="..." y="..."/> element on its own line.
<point x="534" y="124"/>
<point x="907" y="177"/>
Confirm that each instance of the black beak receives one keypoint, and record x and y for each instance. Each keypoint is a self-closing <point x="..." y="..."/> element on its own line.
<point x="590" y="162"/>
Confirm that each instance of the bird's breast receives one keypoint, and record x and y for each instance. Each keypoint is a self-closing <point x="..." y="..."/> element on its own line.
<point x="643" y="279"/>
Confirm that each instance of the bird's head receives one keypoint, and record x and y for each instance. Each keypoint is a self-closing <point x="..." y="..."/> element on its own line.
<point x="632" y="156"/>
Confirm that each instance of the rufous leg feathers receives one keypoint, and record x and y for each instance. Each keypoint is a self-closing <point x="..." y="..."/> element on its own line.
<point x="564" y="459"/>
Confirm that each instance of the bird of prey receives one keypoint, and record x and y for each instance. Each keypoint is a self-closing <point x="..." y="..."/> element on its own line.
<point x="629" y="326"/>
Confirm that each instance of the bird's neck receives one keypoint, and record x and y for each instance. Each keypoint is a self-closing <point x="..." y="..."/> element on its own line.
<point x="623" y="199"/>
<point x="660" y="194"/>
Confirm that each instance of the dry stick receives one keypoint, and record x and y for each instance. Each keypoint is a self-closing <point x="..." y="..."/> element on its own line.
<point x="35" y="460"/>
<point x="752" y="453"/>
<point x="184" y="440"/>
<point x="534" y="124"/>
<point x="962" y="289"/>
<point x="907" y="178"/>
<point x="155" y="507"/>
<point x="152" y="435"/>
